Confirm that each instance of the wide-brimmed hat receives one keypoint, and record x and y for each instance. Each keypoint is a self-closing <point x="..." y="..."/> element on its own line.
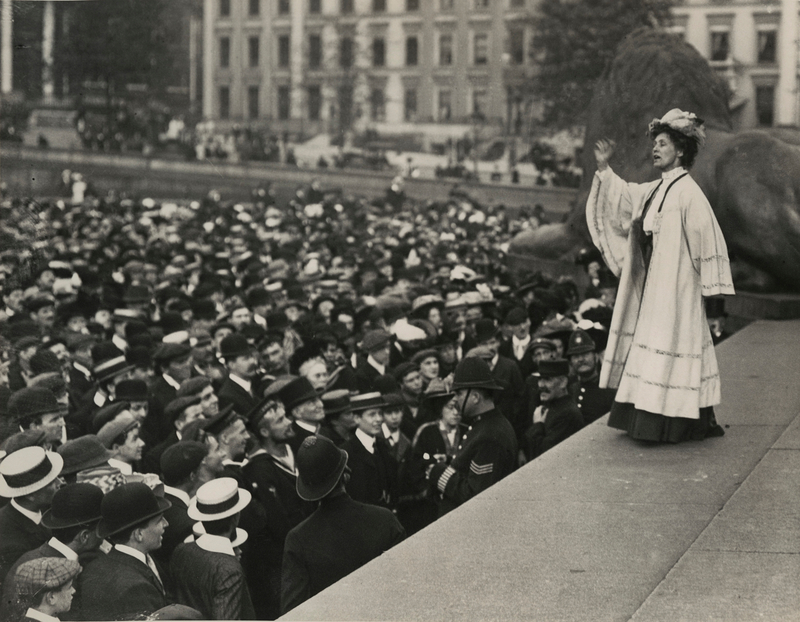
<point x="234" y="345"/>
<point x="485" y="329"/>
<point x="129" y="505"/>
<point x="27" y="470"/>
<point x="438" y="388"/>
<point x="320" y="464"/>
<point x="553" y="369"/>
<point x="336" y="402"/>
<point x="421" y="305"/>
<point x="474" y="373"/>
<point x="365" y="401"/>
<point x="83" y="453"/>
<point x="73" y="505"/>
<point x="297" y="392"/>
<point x="218" y="499"/>
<point x="580" y="342"/>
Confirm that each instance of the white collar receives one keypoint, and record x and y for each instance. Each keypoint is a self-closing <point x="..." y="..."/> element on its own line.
<point x="366" y="440"/>
<point x="132" y="552"/>
<point x="395" y="436"/>
<point x="311" y="427"/>
<point x="119" y="342"/>
<point x="521" y="342"/>
<point x="171" y="381"/>
<point x="284" y="462"/>
<point x="178" y="494"/>
<point x="62" y="548"/>
<point x="245" y="384"/>
<point x="35" y="614"/>
<point x="36" y="517"/>
<point x="122" y="467"/>
<point x="673" y="174"/>
<point x="495" y="358"/>
<point x="376" y="365"/>
<point x="215" y="544"/>
<point x="81" y="368"/>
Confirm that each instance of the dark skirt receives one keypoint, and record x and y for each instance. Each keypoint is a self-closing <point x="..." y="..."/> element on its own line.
<point x="647" y="426"/>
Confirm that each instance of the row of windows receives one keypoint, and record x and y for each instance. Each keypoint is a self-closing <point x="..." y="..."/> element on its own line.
<point x="346" y="50"/>
<point x="766" y="45"/>
<point x="347" y="6"/>
<point x="377" y="103"/>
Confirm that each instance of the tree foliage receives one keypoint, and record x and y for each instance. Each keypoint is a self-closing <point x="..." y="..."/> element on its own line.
<point x="118" y="42"/>
<point x="575" y="40"/>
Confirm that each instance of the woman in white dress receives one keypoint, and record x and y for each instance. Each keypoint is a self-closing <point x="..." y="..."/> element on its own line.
<point x="663" y="241"/>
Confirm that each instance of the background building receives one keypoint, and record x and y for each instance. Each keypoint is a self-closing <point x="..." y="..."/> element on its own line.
<point x="332" y="65"/>
<point x="754" y="46"/>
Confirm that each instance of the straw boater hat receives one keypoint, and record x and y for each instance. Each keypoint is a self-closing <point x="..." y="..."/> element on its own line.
<point x="27" y="470"/>
<point x="218" y="499"/>
<point x="198" y="530"/>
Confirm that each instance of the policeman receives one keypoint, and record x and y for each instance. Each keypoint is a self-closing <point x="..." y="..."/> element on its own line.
<point x="592" y="401"/>
<point x="488" y="451"/>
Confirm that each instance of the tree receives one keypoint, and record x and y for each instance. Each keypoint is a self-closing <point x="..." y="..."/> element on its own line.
<point x="574" y="41"/>
<point x="118" y="42"/>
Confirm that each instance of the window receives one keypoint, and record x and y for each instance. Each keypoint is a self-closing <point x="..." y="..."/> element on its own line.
<point x="377" y="105"/>
<point x="445" y="105"/>
<point x="480" y="48"/>
<point x="412" y="5"/>
<point x="720" y="45"/>
<point x="767" y="45"/>
<point x="378" y="6"/>
<point x="410" y="105"/>
<point x="516" y="46"/>
<point x="224" y="52"/>
<point x="346" y="52"/>
<point x="315" y="6"/>
<point x="284" y="7"/>
<point x="284" y="51"/>
<point x="378" y="52"/>
<point x="446" y="49"/>
<point x="224" y="102"/>
<point x="412" y="51"/>
<point x="765" y="105"/>
<point x="224" y="8"/>
<point x="314" y="51"/>
<point x="479" y="102"/>
<point x="445" y="5"/>
<point x="314" y="102"/>
<point x="252" y="102"/>
<point x="252" y="51"/>
<point x="283" y="102"/>
<point x="346" y="6"/>
<point x="481" y="4"/>
<point x="254" y="7"/>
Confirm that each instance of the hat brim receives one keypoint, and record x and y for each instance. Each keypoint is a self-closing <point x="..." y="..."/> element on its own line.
<point x="315" y="493"/>
<point x="9" y="492"/>
<point x="198" y="530"/>
<point x="580" y="350"/>
<point x="195" y="514"/>
<point x="94" y="462"/>
<point x="104" y="530"/>
<point x="49" y="521"/>
<point x="488" y="386"/>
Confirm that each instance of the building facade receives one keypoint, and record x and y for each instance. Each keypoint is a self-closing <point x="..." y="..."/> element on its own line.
<point x="309" y="66"/>
<point x="753" y="45"/>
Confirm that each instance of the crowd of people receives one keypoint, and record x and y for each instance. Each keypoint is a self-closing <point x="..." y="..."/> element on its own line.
<point x="217" y="410"/>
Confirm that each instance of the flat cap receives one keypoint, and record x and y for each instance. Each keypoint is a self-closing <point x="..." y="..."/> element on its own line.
<point x="45" y="574"/>
<point x="167" y="352"/>
<point x="179" y="460"/>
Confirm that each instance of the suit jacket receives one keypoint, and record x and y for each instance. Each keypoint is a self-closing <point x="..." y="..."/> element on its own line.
<point x="300" y="434"/>
<point x="18" y="535"/>
<point x="592" y="401"/>
<point x="156" y="426"/>
<point x="511" y="400"/>
<point x="180" y="526"/>
<point x="526" y="364"/>
<point x="374" y="476"/>
<point x="213" y="583"/>
<point x="118" y="586"/>
<point x="339" y="537"/>
<point x="562" y="420"/>
<point x="233" y="393"/>
<point x="366" y="377"/>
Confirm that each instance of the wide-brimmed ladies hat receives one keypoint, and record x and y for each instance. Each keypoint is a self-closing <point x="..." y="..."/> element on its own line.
<point x="27" y="470"/>
<point x="218" y="499"/>
<point x="127" y="506"/>
<point x="320" y="464"/>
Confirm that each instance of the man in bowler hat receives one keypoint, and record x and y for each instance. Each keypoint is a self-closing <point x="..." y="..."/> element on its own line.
<point x="238" y="387"/>
<point x="488" y="450"/>
<point x="126" y="583"/>
<point x="340" y="536"/>
<point x="557" y="418"/>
